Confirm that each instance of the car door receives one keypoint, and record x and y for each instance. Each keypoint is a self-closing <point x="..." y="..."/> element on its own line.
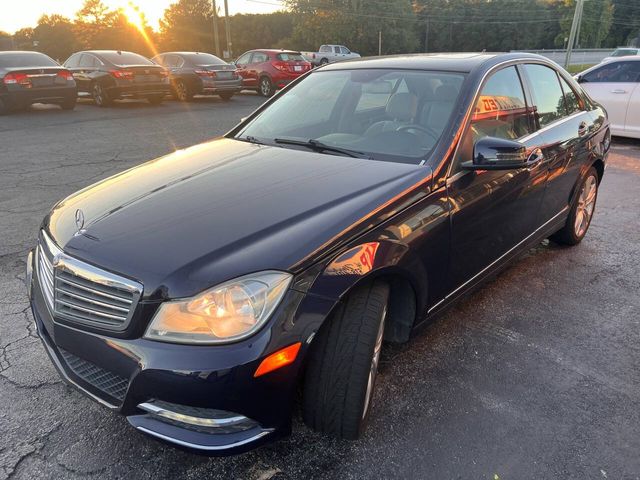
<point x="566" y="127"/>
<point x="242" y="64"/>
<point x="258" y="66"/>
<point x="73" y="65"/>
<point x="612" y="86"/>
<point x="632" y="121"/>
<point x="493" y="211"/>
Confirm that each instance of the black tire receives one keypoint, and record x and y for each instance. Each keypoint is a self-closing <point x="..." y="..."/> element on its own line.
<point x="265" y="87"/>
<point x="181" y="91"/>
<point x="342" y="357"/>
<point x="155" y="99"/>
<point x="324" y="61"/>
<point x="69" y="103"/>
<point x="100" y="96"/>
<point x="226" y="96"/>
<point x="572" y="233"/>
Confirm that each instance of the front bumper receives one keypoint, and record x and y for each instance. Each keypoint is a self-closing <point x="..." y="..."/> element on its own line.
<point x="123" y="374"/>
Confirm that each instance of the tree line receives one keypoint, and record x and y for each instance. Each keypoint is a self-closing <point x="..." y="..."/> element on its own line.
<point x="403" y="25"/>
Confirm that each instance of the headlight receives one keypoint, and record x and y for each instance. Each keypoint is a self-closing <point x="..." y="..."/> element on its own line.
<point x="225" y="313"/>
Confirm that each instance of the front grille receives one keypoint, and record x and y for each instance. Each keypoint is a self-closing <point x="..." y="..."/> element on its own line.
<point x="102" y="379"/>
<point x="81" y="293"/>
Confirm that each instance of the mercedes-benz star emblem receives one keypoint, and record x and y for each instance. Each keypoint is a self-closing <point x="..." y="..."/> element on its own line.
<point x="79" y="220"/>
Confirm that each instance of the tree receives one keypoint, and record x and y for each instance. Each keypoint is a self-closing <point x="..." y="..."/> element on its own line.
<point x="626" y="19"/>
<point x="355" y="23"/>
<point x="187" y="25"/>
<point x="55" y="36"/>
<point x="273" y="30"/>
<point x="23" y="39"/>
<point x="594" y="28"/>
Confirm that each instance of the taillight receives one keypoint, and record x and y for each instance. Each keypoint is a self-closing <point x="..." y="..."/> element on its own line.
<point x="282" y="66"/>
<point x="163" y="73"/>
<point x="124" y="74"/>
<point x="17" y="78"/>
<point x="206" y="73"/>
<point x="66" y="74"/>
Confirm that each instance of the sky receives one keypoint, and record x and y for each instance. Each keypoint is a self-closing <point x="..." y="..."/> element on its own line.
<point x="16" y="14"/>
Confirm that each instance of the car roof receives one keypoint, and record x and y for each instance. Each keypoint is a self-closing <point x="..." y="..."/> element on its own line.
<point x="455" y="62"/>
<point x="274" y="50"/>
<point x="20" y="52"/>
<point x="186" y="53"/>
<point x="99" y="52"/>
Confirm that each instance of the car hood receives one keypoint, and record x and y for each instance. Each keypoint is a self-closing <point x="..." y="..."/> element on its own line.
<point x="215" y="211"/>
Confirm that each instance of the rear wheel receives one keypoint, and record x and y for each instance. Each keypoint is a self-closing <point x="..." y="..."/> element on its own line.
<point x="324" y="61"/>
<point x="69" y="103"/>
<point x="181" y="91"/>
<point x="343" y="363"/>
<point x="100" y="96"/>
<point x="266" y="87"/>
<point x="581" y="212"/>
<point x="226" y="96"/>
<point x="155" y="99"/>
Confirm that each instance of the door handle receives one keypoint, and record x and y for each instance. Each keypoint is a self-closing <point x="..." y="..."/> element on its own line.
<point x="582" y="129"/>
<point x="618" y="90"/>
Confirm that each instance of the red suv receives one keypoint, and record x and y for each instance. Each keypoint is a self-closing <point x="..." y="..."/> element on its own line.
<point x="269" y="70"/>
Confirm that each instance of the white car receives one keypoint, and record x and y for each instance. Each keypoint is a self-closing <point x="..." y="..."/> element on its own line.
<point x="622" y="52"/>
<point x="616" y="86"/>
<point x="330" y="53"/>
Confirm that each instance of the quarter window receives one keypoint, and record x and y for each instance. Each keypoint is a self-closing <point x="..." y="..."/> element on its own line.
<point x="547" y="94"/>
<point x="571" y="99"/>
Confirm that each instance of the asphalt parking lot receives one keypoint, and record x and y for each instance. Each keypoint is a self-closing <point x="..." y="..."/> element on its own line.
<point x="536" y="376"/>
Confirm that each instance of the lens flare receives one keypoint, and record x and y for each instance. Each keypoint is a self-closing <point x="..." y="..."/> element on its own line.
<point x="136" y="18"/>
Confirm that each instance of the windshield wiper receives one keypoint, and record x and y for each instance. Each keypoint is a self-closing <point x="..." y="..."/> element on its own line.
<point x="251" y="139"/>
<point x="318" y="146"/>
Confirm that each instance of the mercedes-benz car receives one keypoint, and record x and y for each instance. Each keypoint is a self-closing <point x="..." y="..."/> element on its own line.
<point x="203" y="293"/>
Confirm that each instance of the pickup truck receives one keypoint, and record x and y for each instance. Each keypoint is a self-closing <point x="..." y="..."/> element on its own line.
<point x="329" y="53"/>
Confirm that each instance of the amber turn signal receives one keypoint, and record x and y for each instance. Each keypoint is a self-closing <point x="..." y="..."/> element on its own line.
<point x="278" y="359"/>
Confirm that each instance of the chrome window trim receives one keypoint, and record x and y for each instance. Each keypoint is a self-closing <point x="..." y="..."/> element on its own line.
<point x="497" y="260"/>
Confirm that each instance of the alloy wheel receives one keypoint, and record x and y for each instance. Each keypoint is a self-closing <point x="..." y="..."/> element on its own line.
<point x="181" y="91"/>
<point x="98" y="94"/>
<point x="374" y="364"/>
<point x="265" y="87"/>
<point x="586" y="205"/>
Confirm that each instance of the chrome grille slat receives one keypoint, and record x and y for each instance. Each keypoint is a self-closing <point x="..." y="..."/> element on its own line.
<point x="93" y="301"/>
<point x="83" y="294"/>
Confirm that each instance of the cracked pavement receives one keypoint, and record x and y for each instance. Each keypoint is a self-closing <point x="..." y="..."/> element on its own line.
<point x="536" y="375"/>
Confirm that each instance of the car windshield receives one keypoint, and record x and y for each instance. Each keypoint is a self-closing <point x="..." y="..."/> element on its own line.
<point x="126" y="58"/>
<point x="393" y="115"/>
<point x="26" y="59"/>
<point x="622" y="52"/>
<point x="203" y="59"/>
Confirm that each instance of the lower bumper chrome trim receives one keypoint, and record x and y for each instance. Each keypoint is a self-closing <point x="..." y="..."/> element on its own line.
<point x="196" y="446"/>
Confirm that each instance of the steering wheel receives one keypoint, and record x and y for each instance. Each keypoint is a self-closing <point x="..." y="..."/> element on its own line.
<point x="429" y="131"/>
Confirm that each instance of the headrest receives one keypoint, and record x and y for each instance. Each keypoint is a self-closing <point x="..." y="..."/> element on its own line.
<point x="446" y="93"/>
<point x="401" y="106"/>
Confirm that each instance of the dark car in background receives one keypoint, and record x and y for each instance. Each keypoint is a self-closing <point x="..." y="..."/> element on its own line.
<point x="108" y="75"/>
<point x="196" y="73"/>
<point x="269" y="70"/>
<point x="33" y="77"/>
<point x="200" y="293"/>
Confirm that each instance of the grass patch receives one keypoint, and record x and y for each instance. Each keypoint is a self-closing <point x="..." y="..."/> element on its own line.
<point x="573" y="69"/>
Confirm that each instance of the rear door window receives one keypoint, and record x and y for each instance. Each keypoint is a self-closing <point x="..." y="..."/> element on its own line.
<point x="259" y="57"/>
<point x="572" y="101"/>
<point x="548" y="96"/>
<point x="244" y="59"/>
<point x="615" y="72"/>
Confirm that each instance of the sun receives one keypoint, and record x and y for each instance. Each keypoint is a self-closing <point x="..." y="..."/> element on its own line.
<point x="134" y="16"/>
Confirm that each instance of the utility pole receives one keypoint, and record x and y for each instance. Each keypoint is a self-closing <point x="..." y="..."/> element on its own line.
<point x="216" y="40"/>
<point x="379" y="42"/>
<point x="426" y="38"/>
<point x="227" y="29"/>
<point x="577" y="17"/>
<point x="577" y="44"/>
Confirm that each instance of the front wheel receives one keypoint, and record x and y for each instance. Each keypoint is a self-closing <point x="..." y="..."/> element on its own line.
<point x="266" y="87"/>
<point x="343" y="364"/>
<point x="226" y="96"/>
<point x="69" y="104"/>
<point x="581" y="212"/>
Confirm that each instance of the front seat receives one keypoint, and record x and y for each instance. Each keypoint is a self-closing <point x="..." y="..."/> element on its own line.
<point x="401" y="109"/>
<point x="436" y="112"/>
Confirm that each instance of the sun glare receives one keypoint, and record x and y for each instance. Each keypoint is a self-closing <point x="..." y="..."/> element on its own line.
<point x="134" y="16"/>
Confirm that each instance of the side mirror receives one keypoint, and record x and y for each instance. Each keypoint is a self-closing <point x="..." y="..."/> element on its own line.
<point x="491" y="153"/>
<point x="579" y="78"/>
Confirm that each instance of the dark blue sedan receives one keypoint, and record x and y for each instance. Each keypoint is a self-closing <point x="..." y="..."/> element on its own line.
<point x="198" y="293"/>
